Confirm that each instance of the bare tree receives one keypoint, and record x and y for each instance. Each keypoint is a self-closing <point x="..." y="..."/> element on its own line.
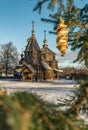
<point x="8" y="56"/>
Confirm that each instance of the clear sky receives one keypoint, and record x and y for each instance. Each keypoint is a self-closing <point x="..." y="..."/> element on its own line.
<point x="16" y="18"/>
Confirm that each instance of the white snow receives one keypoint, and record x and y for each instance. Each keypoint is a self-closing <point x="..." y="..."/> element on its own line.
<point x="49" y="91"/>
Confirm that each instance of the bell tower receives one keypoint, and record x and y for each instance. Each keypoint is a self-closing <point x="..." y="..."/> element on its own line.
<point x="32" y="51"/>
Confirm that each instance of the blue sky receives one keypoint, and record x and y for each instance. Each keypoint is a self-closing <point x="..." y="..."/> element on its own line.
<point x="16" y="18"/>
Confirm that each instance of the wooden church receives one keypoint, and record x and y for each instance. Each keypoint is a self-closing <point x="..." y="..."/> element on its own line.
<point x="37" y="63"/>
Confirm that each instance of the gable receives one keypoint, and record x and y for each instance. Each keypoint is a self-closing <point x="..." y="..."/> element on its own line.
<point x="46" y="50"/>
<point x="25" y="70"/>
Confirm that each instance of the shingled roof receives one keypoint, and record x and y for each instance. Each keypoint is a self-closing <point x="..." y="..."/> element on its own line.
<point x="45" y="65"/>
<point x="32" y="43"/>
<point x="30" y="67"/>
<point x="46" y="50"/>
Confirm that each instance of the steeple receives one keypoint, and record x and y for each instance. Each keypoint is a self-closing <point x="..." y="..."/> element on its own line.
<point x="33" y="28"/>
<point x="32" y="49"/>
<point x="45" y="41"/>
<point x="32" y="44"/>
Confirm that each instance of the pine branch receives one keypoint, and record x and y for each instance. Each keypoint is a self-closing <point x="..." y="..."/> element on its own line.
<point x="69" y="122"/>
<point x="49" y="20"/>
<point x="39" y="5"/>
<point x="82" y="97"/>
<point x="52" y="32"/>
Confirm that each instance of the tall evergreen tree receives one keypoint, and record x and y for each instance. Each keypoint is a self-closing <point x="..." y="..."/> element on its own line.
<point x="76" y="20"/>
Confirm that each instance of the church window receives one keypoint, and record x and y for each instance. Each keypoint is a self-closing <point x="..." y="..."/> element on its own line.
<point x="50" y="63"/>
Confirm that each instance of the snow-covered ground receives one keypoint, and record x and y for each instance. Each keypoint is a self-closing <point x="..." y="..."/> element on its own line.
<point x="49" y="91"/>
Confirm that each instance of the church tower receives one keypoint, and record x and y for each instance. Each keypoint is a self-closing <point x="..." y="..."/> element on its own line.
<point x="48" y="55"/>
<point x="32" y="51"/>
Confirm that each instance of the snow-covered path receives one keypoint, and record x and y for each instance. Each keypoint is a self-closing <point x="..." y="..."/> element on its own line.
<point x="49" y="91"/>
